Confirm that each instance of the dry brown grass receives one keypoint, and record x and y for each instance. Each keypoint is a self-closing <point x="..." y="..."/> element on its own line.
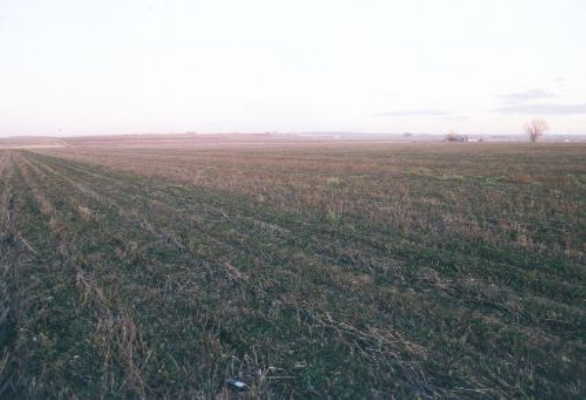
<point x="307" y="271"/>
<point x="340" y="180"/>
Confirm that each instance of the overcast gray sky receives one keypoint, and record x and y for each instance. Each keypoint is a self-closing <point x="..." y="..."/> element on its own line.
<point x="129" y="66"/>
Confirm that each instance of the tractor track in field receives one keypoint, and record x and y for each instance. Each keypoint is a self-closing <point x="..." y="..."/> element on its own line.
<point x="243" y="241"/>
<point x="6" y="199"/>
<point x="165" y="203"/>
<point x="45" y="206"/>
<point x="204" y="218"/>
<point x="158" y="200"/>
<point x="8" y="203"/>
<point x="39" y="170"/>
<point x="158" y="203"/>
<point x="254" y="222"/>
<point x="3" y="162"/>
<point x="131" y="216"/>
<point x="110" y="317"/>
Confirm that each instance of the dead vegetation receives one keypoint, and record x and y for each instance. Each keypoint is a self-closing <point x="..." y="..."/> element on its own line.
<point x="303" y="272"/>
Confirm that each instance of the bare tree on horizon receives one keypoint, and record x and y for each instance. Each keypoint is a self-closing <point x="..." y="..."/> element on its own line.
<point x="535" y="129"/>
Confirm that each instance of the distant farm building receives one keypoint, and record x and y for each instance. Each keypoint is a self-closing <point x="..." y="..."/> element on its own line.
<point x="452" y="137"/>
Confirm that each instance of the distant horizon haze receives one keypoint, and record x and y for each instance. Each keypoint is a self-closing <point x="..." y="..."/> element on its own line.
<point x="71" y="68"/>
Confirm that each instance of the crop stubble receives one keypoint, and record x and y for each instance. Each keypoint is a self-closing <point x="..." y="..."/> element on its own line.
<point x="329" y="272"/>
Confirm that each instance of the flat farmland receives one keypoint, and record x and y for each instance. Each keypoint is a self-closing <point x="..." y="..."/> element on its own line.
<point x="304" y="270"/>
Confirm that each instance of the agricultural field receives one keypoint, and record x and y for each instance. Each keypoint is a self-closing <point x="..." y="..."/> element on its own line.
<point x="303" y="270"/>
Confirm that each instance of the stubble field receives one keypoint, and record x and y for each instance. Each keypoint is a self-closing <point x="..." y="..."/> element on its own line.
<point x="425" y="271"/>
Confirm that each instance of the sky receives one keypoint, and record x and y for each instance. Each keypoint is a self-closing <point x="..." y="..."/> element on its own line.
<point x="75" y="67"/>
